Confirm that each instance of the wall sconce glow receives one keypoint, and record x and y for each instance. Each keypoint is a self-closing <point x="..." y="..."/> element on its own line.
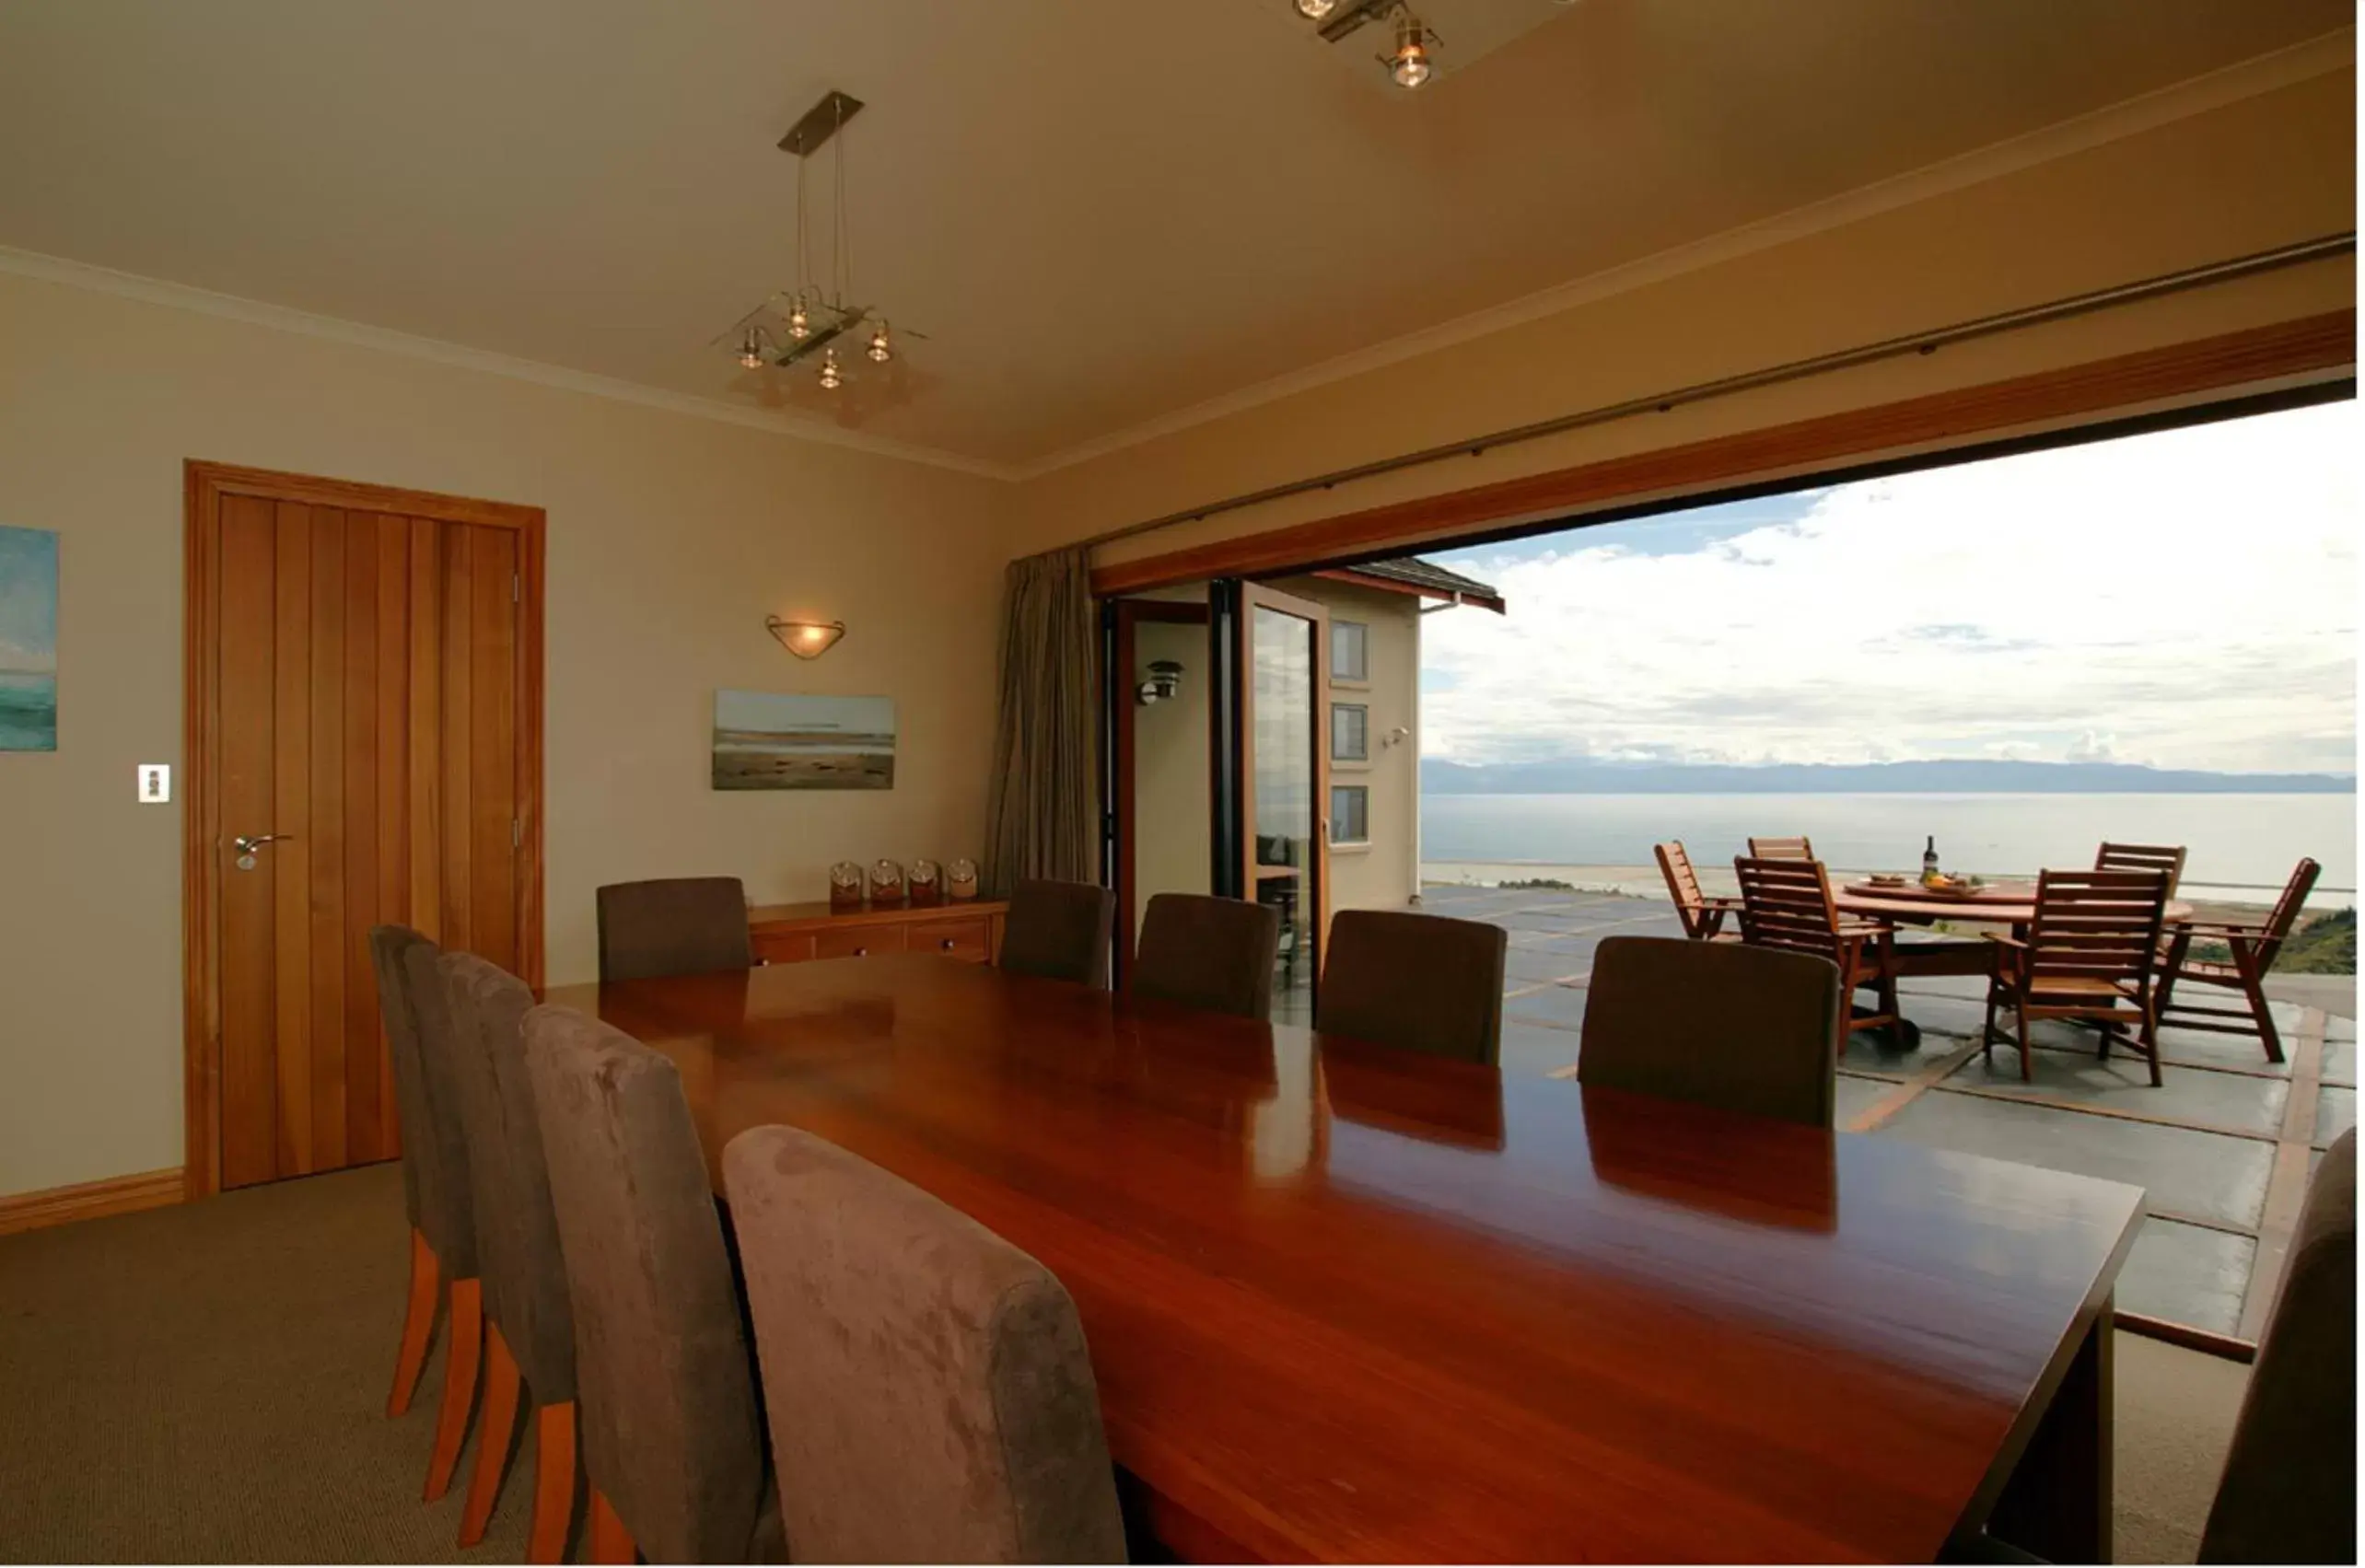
<point x="806" y="639"/>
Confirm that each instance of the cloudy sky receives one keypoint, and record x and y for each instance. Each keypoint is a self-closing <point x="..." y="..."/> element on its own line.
<point x="2185" y="599"/>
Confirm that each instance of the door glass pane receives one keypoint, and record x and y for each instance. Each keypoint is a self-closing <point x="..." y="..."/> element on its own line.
<point x="1282" y="812"/>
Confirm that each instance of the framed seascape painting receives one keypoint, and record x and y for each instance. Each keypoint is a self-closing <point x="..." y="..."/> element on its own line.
<point x="768" y="741"/>
<point x="28" y="640"/>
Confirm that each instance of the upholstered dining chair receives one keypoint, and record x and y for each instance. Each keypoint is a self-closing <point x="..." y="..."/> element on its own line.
<point x="1417" y="982"/>
<point x="2289" y="1493"/>
<point x="1213" y="954"/>
<point x="529" y="1333"/>
<point x="930" y="1394"/>
<point x="665" y="1387"/>
<point x="436" y="1194"/>
<point x="673" y="925"/>
<point x="439" y="1050"/>
<point x="1059" y="931"/>
<point x="1716" y="1023"/>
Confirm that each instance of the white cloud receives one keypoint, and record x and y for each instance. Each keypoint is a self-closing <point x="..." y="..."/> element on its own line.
<point x="2185" y="599"/>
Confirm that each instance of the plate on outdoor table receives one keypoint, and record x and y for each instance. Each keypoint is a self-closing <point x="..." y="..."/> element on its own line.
<point x="1884" y="881"/>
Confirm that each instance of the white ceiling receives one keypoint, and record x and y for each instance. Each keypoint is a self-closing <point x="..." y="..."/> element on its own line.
<point x="1101" y="210"/>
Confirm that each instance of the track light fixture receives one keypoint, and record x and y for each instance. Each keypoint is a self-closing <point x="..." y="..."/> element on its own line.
<point x="1408" y="61"/>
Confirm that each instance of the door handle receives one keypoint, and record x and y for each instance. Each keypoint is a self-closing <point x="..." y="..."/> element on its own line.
<point x="246" y="844"/>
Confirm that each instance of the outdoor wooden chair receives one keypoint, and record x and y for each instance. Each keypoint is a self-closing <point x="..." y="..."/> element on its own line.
<point x="1702" y="916"/>
<point x="1781" y="849"/>
<point x="2091" y="954"/>
<point x="1787" y="904"/>
<point x="2169" y="858"/>
<point x="2254" y="947"/>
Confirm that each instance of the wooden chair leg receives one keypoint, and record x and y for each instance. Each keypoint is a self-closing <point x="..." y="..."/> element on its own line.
<point x="2148" y="1036"/>
<point x="2254" y="987"/>
<point x="2028" y="1060"/>
<point x="494" y="1425"/>
<point x="467" y="1346"/>
<point x="418" y="1323"/>
<point x="554" y="1482"/>
<point x="611" y="1542"/>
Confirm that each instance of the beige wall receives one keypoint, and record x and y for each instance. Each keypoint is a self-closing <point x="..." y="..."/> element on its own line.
<point x="1385" y="872"/>
<point x="1170" y="806"/>
<point x="669" y="538"/>
<point x="2268" y="171"/>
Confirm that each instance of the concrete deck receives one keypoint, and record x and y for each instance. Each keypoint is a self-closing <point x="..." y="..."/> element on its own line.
<point x="2223" y="1147"/>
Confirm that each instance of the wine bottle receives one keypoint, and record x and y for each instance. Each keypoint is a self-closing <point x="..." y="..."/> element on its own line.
<point x="1929" y="862"/>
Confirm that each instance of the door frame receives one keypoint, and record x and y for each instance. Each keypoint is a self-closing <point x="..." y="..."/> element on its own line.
<point x="1255" y="596"/>
<point x="204" y="484"/>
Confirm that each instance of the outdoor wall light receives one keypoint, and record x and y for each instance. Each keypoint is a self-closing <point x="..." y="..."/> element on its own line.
<point x="806" y="639"/>
<point x="1165" y="681"/>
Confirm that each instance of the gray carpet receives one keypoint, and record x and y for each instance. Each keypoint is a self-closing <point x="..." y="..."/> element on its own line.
<point x="208" y="1384"/>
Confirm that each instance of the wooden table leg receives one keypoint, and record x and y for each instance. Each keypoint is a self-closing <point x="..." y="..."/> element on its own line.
<point x="2059" y="1504"/>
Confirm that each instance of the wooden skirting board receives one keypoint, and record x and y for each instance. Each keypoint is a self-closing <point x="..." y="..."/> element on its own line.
<point x="90" y="1200"/>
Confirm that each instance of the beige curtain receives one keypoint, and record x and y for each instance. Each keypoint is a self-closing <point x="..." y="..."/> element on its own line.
<point x="1043" y="810"/>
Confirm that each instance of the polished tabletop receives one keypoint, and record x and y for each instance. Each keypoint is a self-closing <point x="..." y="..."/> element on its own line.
<point x="1994" y="904"/>
<point x="1348" y="1302"/>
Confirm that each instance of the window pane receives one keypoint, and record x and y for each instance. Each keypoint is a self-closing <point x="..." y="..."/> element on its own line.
<point x="1350" y="814"/>
<point x="1347" y="661"/>
<point x="1350" y="732"/>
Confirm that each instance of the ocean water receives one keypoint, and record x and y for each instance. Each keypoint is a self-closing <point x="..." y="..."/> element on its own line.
<point x="2234" y="840"/>
<point x="27" y="712"/>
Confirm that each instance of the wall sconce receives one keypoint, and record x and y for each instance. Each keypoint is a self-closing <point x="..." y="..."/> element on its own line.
<point x="1165" y="681"/>
<point x="806" y="639"/>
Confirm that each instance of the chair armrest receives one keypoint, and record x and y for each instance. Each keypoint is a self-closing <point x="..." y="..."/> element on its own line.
<point x="1720" y="903"/>
<point x="2219" y="928"/>
<point x="2001" y="940"/>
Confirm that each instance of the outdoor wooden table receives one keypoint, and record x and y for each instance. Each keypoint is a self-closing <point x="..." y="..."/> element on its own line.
<point x="1997" y="904"/>
<point x="1346" y="1302"/>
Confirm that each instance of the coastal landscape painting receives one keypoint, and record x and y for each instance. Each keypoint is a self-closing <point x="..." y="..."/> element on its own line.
<point x="28" y="640"/>
<point x="771" y="740"/>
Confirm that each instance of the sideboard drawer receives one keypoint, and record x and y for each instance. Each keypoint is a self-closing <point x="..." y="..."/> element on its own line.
<point x="860" y="941"/>
<point x="783" y="946"/>
<point x="971" y="941"/>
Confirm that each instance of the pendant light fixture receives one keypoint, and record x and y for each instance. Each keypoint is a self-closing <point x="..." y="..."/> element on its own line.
<point x="806" y="320"/>
<point x="1315" y="10"/>
<point x="1408" y="62"/>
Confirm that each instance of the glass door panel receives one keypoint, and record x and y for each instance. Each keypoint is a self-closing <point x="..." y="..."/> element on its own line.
<point x="1285" y="781"/>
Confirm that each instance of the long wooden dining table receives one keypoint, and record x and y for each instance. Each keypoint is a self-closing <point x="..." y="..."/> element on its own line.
<point x="1351" y="1303"/>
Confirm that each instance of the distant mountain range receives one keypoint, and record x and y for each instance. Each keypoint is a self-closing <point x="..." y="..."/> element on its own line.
<point x="1583" y="776"/>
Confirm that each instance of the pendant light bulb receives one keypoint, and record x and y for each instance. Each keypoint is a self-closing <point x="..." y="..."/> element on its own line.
<point x="1409" y="62"/>
<point x="800" y="325"/>
<point x="831" y="378"/>
<point x="1315" y="10"/>
<point x="750" y="353"/>
<point x="880" y="350"/>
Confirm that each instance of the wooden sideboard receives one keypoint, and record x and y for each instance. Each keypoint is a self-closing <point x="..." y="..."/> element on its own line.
<point x="792" y="934"/>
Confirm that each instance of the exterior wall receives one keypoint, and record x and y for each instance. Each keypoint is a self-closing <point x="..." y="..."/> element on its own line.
<point x="669" y="539"/>
<point x="1171" y="845"/>
<point x="1383" y="873"/>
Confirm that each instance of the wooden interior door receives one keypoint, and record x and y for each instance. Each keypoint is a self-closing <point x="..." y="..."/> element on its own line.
<point x="364" y="748"/>
<point x="1284" y="776"/>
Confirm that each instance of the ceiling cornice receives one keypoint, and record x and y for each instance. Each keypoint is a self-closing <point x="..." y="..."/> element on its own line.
<point x="281" y="318"/>
<point x="2250" y="79"/>
<point x="2263" y="73"/>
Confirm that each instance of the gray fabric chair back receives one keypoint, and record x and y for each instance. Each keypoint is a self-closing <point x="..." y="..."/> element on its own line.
<point x="666" y="1391"/>
<point x="1060" y="930"/>
<point x="1417" y="982"/>
<point x="435" y="1191"/>
<point x="930" y="1395"/>
<point x="1213" y="954"/>
<point x="673" y="925"/>
<point x="2290" y="1491"/>
<point x="525" y="1278"/>
<point x="1744" y="1028"/>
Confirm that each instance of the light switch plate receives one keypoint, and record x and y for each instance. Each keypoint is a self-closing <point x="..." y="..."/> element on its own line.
<point x="156" y="783"/>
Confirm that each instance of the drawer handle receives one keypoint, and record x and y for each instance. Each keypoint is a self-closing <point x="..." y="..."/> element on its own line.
<point x="946" y="943"/>
<point x="862" y="952"/>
